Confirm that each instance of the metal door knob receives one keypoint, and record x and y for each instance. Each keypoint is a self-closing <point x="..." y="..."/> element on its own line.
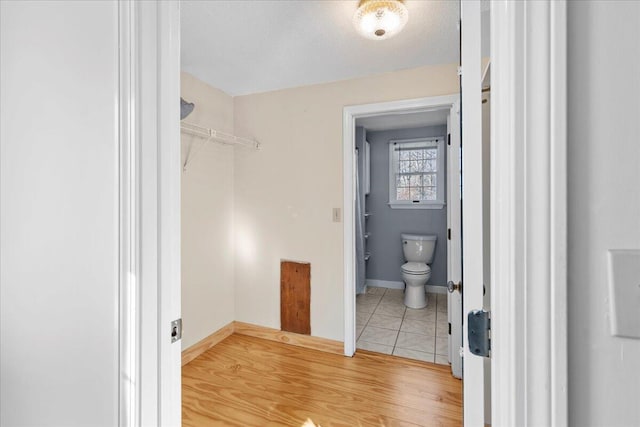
<point x="454" y="286"/>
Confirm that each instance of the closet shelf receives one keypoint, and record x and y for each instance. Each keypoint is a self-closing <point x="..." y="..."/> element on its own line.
<point x="216" y="136"/>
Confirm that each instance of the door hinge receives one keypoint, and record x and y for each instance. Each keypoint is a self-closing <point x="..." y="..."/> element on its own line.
<point x="449" y="328"/>
<point x="459" y="70"/>
<point x="176" y="330"/>
<point x="449" y="139"/>
<point x="448" y="234"/>
<point x="479" y="330"/>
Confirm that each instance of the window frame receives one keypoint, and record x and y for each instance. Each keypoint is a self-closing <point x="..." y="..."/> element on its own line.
<point x="439" y="202"/>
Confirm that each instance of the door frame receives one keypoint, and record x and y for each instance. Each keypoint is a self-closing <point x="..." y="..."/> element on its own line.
<point x="454" y="243"/>
<point x="528" y="134"/>
<point x="529" y="213"/>
<point x="476" y="379"/>
<point x="350" y="114"/>
<point x="149" y="199"/>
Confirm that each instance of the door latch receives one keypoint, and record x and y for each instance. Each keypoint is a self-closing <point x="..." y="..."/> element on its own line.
<point x="479" y="330"/>
<point x="176" y="330"/>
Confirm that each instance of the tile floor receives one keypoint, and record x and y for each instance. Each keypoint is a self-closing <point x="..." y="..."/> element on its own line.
<point x="385" y="325"/>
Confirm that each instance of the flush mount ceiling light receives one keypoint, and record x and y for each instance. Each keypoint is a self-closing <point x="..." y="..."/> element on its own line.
<point x="380" y="19"/>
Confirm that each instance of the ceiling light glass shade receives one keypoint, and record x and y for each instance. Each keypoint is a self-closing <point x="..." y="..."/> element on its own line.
<point x="380" y="19"/>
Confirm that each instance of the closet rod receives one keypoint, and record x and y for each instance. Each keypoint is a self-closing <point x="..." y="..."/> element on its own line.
<point x="222" y="137"/>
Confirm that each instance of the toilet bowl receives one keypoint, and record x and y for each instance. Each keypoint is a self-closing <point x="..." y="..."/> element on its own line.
<point x="415" y="275"/>
<point x="418" y="251"/>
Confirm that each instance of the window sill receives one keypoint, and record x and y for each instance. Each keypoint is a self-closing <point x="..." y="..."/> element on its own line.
<point x="437" y="205"/>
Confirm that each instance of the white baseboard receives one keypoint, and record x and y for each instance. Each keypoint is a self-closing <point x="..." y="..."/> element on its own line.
<point x="390" y="284"/>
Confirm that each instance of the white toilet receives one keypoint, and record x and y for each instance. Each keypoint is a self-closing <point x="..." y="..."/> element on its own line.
<point x="418" y="251"/>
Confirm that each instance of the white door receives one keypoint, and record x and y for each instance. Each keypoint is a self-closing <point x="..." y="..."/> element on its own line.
<point x="59" y="227"/>
<point x="89" y="213"/>
<point x="474" y="233"/>
<point x="486" y="223"/>
<point x="454" y="244"/>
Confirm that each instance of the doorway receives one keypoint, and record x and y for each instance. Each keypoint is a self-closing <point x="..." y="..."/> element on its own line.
<point x="378" y="319"/>
<point x="506" y="213"/>
<point x="401" y="234"/>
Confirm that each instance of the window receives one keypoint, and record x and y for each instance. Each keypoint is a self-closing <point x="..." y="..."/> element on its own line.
<point x="416" y="173"/>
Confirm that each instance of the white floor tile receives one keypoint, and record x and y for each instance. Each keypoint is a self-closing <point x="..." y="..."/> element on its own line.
<point x="413" y="354"/>
<point x="442" y="303"/>
<point x="442" y="346"/>
<point x="368" y="298"/>
<point x="419" y="327"/>
<point x="379" y="335"/>
<point x="359" y="329"/>
<point x="378" y="348"/>
<point x="410" y="341"/>
<point x="442" y="328"/>
<point x="392" y="301"/>
<point x="390" y="292"/>
<point x="394" y="310"/>
<point x="362" y="317"/>
<point x="385" y="325"/>
<point x="442" y="316"/>
<point x="387" y="322"/>
<point x="424" y="314"/>
<point x="442" y="360"/>
<point x="365" y="308"/>
<point x="393" y="298"/>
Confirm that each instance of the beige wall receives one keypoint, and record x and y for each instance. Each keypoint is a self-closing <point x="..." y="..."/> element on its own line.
<point x="207" y="217"/>
<point x="284" y="194"/>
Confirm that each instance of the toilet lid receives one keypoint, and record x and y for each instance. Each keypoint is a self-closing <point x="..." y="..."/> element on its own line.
<point x="415" y="268"/>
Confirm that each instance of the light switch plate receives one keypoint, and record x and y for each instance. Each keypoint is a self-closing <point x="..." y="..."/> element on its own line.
<point x="337" y="217"/>
<point x="624" y="292"/>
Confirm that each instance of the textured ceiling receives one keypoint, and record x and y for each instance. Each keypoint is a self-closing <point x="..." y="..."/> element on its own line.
<point x="244" y="47"/>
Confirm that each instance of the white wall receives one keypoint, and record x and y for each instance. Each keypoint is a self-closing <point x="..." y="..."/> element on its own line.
<point x="604" y="205"/>
<point x="284" y="194"/>
<point x="207" y="216"/>
<point x="59" y="213"/>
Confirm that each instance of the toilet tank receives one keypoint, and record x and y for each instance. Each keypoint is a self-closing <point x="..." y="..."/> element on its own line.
<point x="419" y="247"/>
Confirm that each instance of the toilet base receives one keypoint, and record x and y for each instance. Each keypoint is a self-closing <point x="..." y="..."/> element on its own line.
<point x="415" y="297"/>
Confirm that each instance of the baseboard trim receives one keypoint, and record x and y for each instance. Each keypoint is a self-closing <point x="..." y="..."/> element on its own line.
<point x="306" y="341"/>
<point x="241" y="328"/>
<point x="390" y="284"/>
<point x="206" y="343"/>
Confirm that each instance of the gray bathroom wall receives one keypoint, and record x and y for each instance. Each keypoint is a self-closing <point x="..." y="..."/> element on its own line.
<point x="385" y="225"/>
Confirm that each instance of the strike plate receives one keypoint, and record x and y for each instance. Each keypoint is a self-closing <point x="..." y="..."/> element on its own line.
<point x="479" y="328"/>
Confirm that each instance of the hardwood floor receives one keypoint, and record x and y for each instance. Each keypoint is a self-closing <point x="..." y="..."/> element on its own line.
<point x="247" y="381"/>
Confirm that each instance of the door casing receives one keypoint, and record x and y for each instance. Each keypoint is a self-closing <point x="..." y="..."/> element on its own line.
<point x="350" y="114"/>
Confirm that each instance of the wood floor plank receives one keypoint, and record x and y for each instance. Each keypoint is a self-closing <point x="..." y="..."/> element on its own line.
<point x="248" y="381"/>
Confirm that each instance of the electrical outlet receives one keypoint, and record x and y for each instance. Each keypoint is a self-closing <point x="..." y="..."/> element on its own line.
<point x="336" y="215"/>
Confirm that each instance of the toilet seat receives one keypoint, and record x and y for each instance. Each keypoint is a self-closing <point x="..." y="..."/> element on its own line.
<point x="417" y="268"/>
